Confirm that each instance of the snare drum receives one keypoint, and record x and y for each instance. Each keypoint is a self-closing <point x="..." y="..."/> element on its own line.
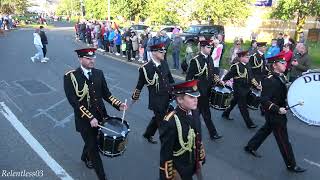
<point x="253" y="99"/>
<point x="221" y="97"/>
<point x="113" y="140"/>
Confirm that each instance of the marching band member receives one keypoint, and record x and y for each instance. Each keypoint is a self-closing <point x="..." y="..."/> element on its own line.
<point x="201" y="68"/>
<point x="243" y="79"/>
<point x="156" y="75"/>
<point x="273" y="100"/>
<point x="182" y="152"/>
<point x="85" y="89"/>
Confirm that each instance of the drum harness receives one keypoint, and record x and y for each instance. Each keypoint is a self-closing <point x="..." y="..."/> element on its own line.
<point x="80" y="93"/>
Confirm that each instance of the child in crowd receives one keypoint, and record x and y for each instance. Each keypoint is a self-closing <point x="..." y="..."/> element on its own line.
<point x="141" y="52"/>
<point x="123" y="47"/>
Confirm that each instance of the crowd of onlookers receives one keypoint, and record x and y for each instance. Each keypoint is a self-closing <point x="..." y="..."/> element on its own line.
<point x="7" y="22"/>
<point x="134" y="46"/>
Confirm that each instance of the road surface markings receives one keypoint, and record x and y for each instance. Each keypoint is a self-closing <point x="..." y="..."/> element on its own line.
<point x="312" y="163"/>
<point x="34" y="144"/>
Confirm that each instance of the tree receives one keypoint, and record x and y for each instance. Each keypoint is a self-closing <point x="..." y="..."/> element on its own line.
<point x="299" y="9"/>
<point x="222" y="11"/>
<point x="68" y="7"/>
<point x="10" y="7"/>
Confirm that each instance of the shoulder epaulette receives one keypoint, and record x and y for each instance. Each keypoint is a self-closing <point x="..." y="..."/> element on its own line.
<point x="68" y="72"/>
<point x="169" y="115"/>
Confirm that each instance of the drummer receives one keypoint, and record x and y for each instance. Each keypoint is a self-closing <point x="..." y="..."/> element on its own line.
<point x="273" y="100"/>
<point x="202" y="69"/>
<point x="85" y="89"/>
<point x="243" y="79"/>
<point x="182" y="152"/>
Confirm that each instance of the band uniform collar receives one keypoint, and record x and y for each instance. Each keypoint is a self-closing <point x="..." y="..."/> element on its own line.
<point x="260" y="53"/>
<point x="184" y="111"/>
<point x="155" y="62"/>
<point x="85" y="71"/>
<point x="206" y="56"/>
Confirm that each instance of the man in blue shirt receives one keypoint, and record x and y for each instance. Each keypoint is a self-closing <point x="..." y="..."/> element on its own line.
<point x="273" y="50"/>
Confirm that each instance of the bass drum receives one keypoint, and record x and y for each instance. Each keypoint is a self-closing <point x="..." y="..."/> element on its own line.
<point x="305" y="89"/>
<point x="253" y="99"/>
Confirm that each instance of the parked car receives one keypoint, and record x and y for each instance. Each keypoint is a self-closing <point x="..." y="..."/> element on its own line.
<point x="167" y="29"/>
<point x="191" y="35"/>
<point x="139" y="28"/>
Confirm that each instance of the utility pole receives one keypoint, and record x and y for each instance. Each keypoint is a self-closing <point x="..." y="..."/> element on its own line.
<point x="83" y="11"/>
<point x="109" y="10"/>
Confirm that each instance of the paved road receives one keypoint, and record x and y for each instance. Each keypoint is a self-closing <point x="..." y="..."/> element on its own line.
<point x="33" y="92"/>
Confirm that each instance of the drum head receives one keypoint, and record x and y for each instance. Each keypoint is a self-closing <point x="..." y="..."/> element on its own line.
<point x="117" y="128"/>
<point x="223" y="89"/>
<point x="306" y="89"/>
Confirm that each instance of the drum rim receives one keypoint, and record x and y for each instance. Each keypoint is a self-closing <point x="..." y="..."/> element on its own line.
<point x="124" y="122"/>
<point x="295" y="113"/>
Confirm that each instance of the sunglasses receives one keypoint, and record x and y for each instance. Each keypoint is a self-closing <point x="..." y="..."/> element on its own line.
<point x="238" y="44"/>
<point x="208" y="46"/>
<point x="89" y="57"/>
<point x="162" y="50"/>
<point x="282" y="62"/>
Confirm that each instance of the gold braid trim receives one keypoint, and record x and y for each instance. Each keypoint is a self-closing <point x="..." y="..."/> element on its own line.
<point x="216" y="78"/>
<point x="256" y="63"/>
<point x="201" y="71"/>
<point x="241" y="75"/>
<point x="168" y="169"/>
<point x="153" y="81"/>
<point x="136" y="94"/>
<point x="85" y="112"/>
<point x="80" y="93"/>
<point x="202" y="152"/>
<point x="255" y="82"/>
<point x="190" y="144"/>
<point x="271" y="106"/>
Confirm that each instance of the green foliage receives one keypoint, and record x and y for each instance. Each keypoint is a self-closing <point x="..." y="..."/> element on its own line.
<point x="68" y="7"/>
<point x="13" y="7"/>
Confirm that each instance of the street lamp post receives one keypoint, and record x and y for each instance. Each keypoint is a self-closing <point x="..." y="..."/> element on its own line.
<point x="83" y="11"/>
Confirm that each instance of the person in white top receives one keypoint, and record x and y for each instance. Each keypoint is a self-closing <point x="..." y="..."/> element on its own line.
<point x="216" y="53"/>
<point x="38" y="44"/>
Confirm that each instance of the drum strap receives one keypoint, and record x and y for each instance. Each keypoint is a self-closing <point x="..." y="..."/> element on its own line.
<point x="80" y="93"/>
<point x="185" y="146"/>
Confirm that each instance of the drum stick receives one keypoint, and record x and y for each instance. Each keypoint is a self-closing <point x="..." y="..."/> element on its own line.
<point x="300" y="103"/>
<point x="108" y="129"/>
<point x="124" y="111"/>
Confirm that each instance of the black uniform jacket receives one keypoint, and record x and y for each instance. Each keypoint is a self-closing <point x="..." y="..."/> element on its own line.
<point x="242" y="78"/>
<point x="185" y="164"/>
<point x="202" y="69"/>
<point x="258" y="66"/>
<point x="158" y="80"/>
<point x="91" y="106"/>
<point x="273" y="96"/>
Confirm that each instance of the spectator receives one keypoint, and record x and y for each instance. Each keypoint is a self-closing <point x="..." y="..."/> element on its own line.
<point x="44" y="41"/>
<point x="273" y="50"/>
<point x="253" y="48"/>
<point x="221" y="40"/>
<point x="88" y="35"/>
<point x="176" y="46"/>
<point x="216" y="53"/>
<point x="117" y="41"/>
<point x="300" y="65"/>
<point x="38" y="44"/>
<point x="287" y="54"/>
<point x="145" y="46"/>
<point x="111" y="40"/>
<point x="286" y="39"/>
<point x="234" y="50"/>
<point x="280" y="41"/>
<point x="135" y="44"/>
<point x="123" y="47"/>
<point x="301" y="38"/>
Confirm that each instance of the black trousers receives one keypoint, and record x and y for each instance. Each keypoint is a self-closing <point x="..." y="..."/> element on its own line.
<point x="280" y="132"/>
<point x="154" y="123"/>
<point x="44" y="50"/>
<point x="91" y="151"/>
<point x="204" y="109"/>
<point x="118" y="48"/>
<point x="241" y="100"/>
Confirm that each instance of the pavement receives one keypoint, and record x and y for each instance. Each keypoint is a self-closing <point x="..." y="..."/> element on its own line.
<point x="39" y="141"/>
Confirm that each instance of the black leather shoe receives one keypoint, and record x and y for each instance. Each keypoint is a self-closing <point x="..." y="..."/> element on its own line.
<point x="252" y="126"/>
<point x="87" y="162"/>
<point x="216" y="136"/>
<point x="252" y="152"/>
<point x="296" y="169"/>
<point x="150" y="139"/>
<point x="226" y="117"/>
